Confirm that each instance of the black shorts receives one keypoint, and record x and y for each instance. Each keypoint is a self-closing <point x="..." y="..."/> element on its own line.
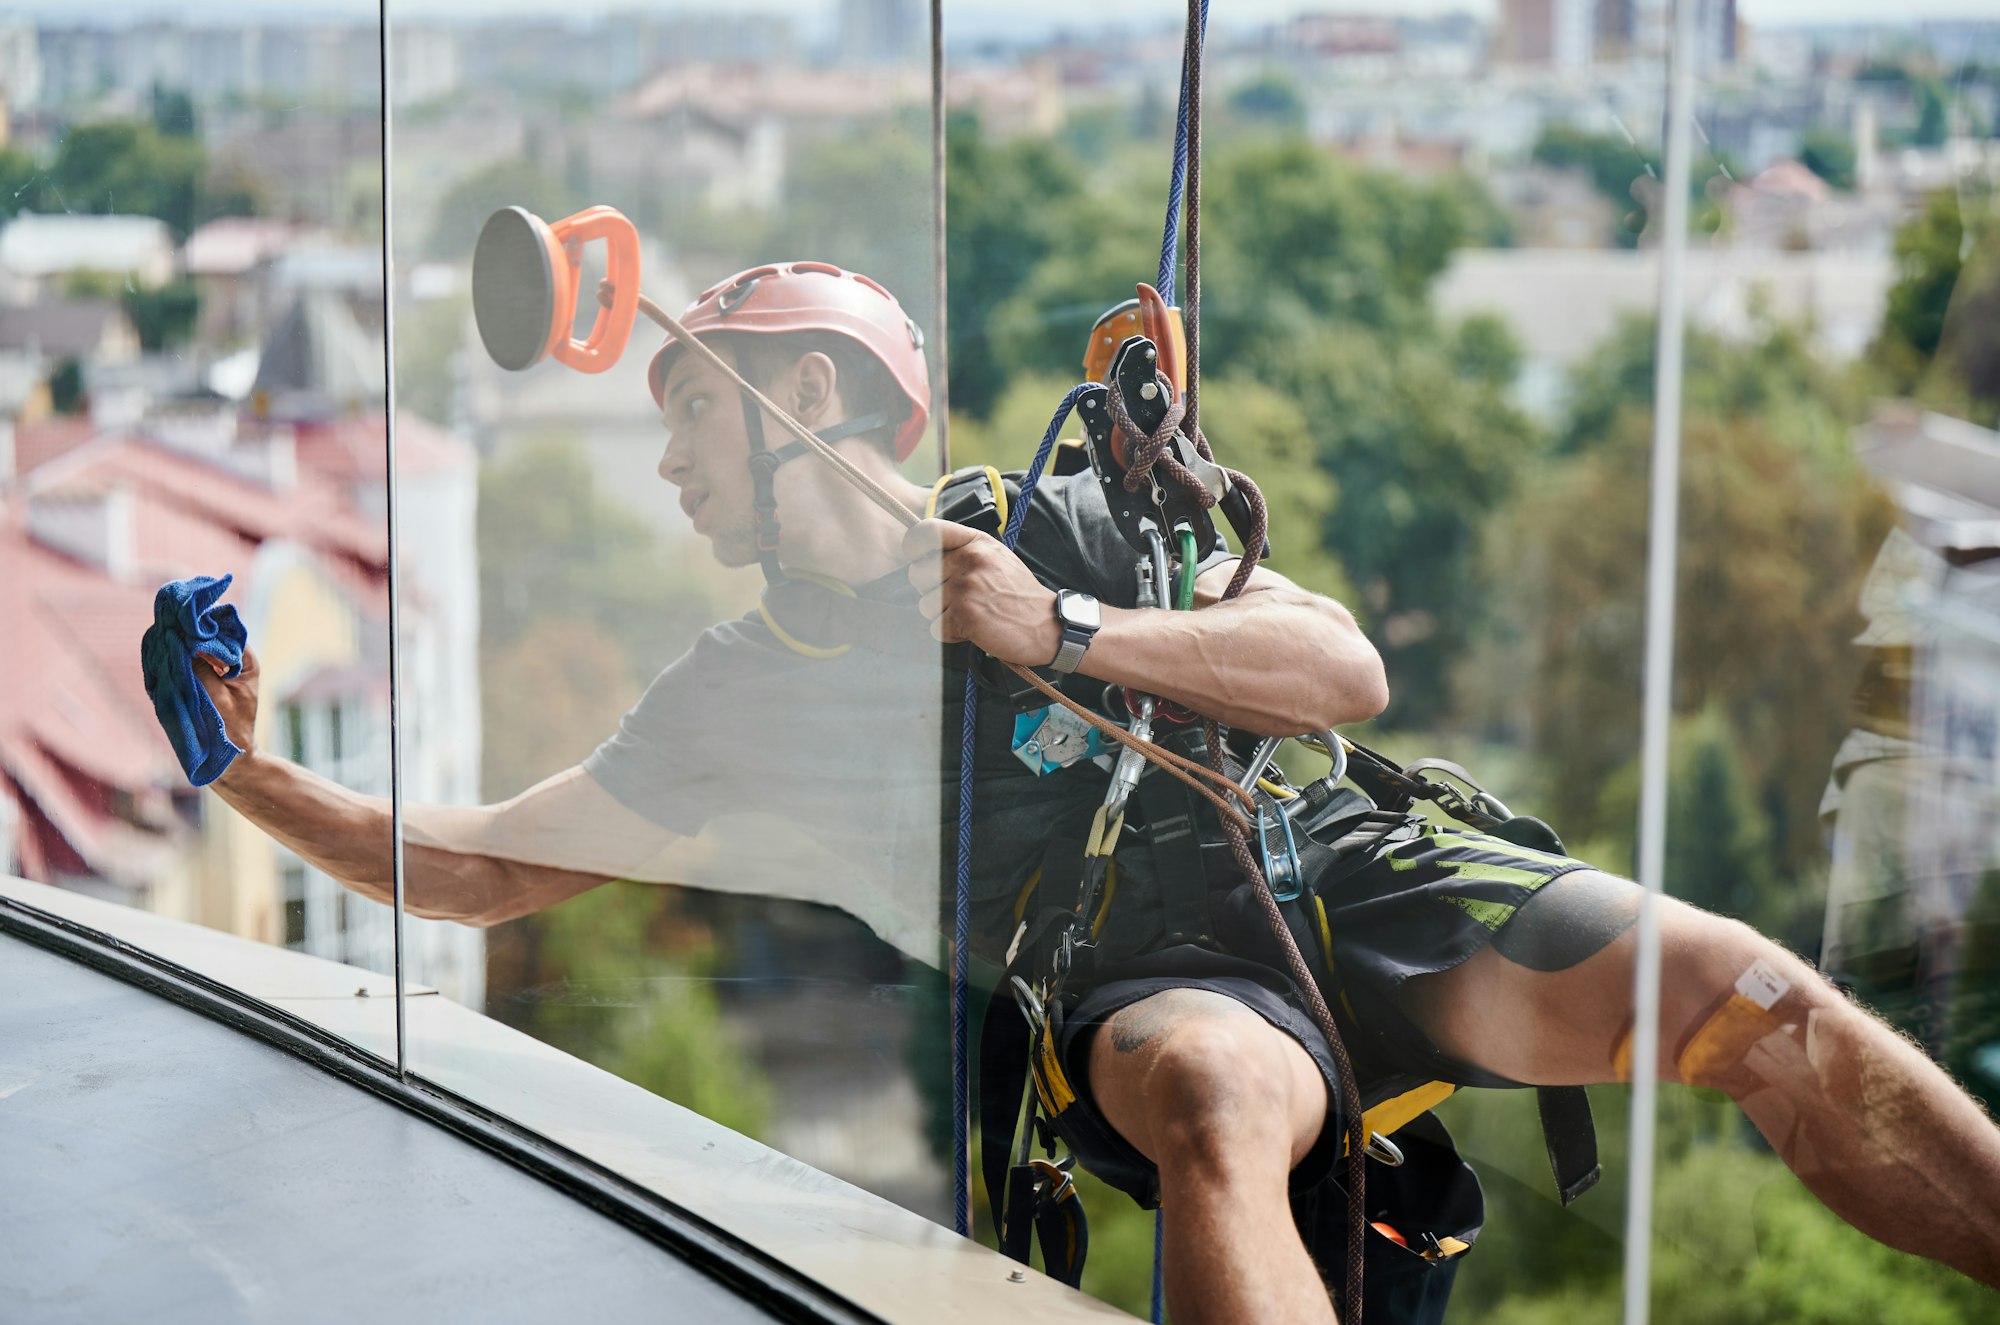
<point x="1425" y="904"/>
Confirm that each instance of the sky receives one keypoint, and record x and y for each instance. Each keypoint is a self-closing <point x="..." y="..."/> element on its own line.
<point x="1018" y="14"/>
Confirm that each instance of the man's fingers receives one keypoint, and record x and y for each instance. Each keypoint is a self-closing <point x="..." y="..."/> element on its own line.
<point x="928" y="537"/>
<point x="932" y="538"/>
<point x="932" y="604"/>
<point x="945" y="534"/>
<point x="927" y="573"/>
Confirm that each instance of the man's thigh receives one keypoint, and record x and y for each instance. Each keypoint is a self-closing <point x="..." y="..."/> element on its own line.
<point x="1550" y="1001"/>
<point x="1187" y="1067"/>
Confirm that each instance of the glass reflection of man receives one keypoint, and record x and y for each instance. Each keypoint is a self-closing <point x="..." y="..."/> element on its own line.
<point x="1468" y="959"/>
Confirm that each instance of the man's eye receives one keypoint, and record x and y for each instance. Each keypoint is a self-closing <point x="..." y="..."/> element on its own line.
<point x="696" y="407"/>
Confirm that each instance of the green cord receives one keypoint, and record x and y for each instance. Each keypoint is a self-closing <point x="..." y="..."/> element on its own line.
<point x="1184" y="598"/>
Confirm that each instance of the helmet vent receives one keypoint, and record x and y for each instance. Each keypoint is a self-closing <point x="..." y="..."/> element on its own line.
<point x="732" y="298"/>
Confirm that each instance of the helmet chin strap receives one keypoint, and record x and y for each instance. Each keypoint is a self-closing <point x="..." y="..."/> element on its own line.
<point x="764" y="471"/>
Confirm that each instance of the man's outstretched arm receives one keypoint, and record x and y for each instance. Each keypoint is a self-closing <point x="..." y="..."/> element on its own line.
<point x="1276" y="659"/>
<point x="475" y="864"/>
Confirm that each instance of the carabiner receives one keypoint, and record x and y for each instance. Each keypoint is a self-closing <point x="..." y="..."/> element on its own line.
<point x="1282" y="872"/>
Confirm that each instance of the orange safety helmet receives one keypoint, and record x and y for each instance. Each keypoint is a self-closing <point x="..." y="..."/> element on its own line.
<point x="785" y="297"/>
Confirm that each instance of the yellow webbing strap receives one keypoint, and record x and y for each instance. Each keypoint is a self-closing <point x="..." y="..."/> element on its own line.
<point x="992" y="479"/>
<point x="1027" y="892"/>
<point x="1103" y="833"/>
<point x="1393" y="1113"/>
<point x="1050" y="1083"/>
<point x="791" y="641"/>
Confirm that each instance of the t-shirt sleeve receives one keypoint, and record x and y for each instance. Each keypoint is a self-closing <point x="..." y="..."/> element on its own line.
<point x="678" y="757"/>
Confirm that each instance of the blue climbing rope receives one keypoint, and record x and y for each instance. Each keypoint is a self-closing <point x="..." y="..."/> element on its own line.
<point x="961" y="981"/>
<point x="1171" y="234"/>
<point x="961" y="930"/>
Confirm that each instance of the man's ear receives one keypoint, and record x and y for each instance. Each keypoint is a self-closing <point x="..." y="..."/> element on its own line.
<point x="814" y="382"/>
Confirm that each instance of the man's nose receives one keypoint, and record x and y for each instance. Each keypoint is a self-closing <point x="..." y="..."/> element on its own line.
<point x="674" y="464"/>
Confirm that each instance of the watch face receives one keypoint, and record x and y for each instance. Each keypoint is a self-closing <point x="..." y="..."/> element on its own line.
<point x="1078" y="610"/>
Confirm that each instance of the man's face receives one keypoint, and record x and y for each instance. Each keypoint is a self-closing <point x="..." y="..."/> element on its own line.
<point x="707" y="458"/>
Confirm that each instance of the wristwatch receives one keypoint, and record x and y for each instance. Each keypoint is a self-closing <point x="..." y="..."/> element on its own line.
<point x="1078" y="615"/>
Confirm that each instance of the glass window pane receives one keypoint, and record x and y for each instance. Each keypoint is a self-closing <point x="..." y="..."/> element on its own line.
<point x="1426" y="277"/>
<point x="663" y="820"/>
<point x="191" y="383"/>
<point x="1832" y="771"/>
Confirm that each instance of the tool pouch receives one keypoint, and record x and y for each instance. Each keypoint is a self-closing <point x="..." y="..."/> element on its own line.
<point x="1433" y="1201"/>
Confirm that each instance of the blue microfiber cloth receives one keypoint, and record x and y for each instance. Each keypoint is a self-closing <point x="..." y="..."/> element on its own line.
<point x="186" y="621"/>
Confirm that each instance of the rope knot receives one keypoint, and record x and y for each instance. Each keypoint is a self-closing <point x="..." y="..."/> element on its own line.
<point x="1154" y="450"/>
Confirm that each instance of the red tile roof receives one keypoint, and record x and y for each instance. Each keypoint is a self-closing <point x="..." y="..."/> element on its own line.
<point x="75" y="721"/>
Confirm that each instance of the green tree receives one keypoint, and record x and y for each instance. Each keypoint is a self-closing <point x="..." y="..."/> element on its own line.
<point x="173" y="113"/>
<point x="1829" y="154"/>
<point x="1270" y="99"/>
<point x="22" y="183"/>
<point x="463" y="210"/>
<point x="164" y="316"/>
<point x="1629" y="175"/>
<point x="1765" y="475"/>
<point x="1009" y="208"/>
<point x="1612" y="161"/>
<point x="1316" y="285"/>
<point x="1933" y="119"/>
<point x="550" y="544"/>
<point x="66" y="387"/>
<point x="1936" y="340"/>
<point x="129" y="167"/>
<point x="621" y="978"/>
<point x="1266" y="437"/>
<point x="859" y="201"/>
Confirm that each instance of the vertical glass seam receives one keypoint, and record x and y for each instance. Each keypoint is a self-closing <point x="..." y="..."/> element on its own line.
<point x="395" y="572"/>
<point x="940" y="275"/>
<point x="1662" y="563"/>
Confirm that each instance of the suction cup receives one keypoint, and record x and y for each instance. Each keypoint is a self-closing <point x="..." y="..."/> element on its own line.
<point x="525" y="274"/>
<point x="514" y="283"/>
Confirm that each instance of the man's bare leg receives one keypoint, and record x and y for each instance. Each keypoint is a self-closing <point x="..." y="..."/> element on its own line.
<point x="1874" y="1128"/>
<point x="1225" y="1105"/>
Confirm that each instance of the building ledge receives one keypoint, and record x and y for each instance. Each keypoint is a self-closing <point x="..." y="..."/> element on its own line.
<point x="878" y="1256"/>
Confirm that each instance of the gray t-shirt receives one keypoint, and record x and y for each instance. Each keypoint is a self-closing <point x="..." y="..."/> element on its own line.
<point x="860" y="752"/>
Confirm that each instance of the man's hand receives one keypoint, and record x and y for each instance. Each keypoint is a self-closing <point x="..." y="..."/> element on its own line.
<point x="235" y="699"/>
<point x="975" y="589"/>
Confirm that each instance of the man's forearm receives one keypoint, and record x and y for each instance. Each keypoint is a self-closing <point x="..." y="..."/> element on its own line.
<point x="1275" y="660"/>
<point x="350" y="837"/>
<point x="342" y="832"/>
<point x="1278" y="661"/>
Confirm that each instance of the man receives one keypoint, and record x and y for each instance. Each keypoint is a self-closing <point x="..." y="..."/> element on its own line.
<point x="1461" y="958"/>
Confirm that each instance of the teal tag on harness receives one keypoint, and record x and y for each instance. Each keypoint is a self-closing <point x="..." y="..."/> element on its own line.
<point x="1046" y="739"/>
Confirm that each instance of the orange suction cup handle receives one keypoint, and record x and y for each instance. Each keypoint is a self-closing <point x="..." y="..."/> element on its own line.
<point x="612" y="329"/>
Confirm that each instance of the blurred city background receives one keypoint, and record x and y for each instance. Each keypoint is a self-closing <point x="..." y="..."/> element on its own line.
<point x="1432" y="275"/>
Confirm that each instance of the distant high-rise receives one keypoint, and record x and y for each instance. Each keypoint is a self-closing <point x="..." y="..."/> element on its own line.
<point x="1644" y="29"/>
<point x="1552" y="34"/>
<point x="883" y="31"/>
<point x="1615" y="20"/>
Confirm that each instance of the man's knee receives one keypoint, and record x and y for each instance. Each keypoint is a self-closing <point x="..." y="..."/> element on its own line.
<point x="1206" y="1088"/>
